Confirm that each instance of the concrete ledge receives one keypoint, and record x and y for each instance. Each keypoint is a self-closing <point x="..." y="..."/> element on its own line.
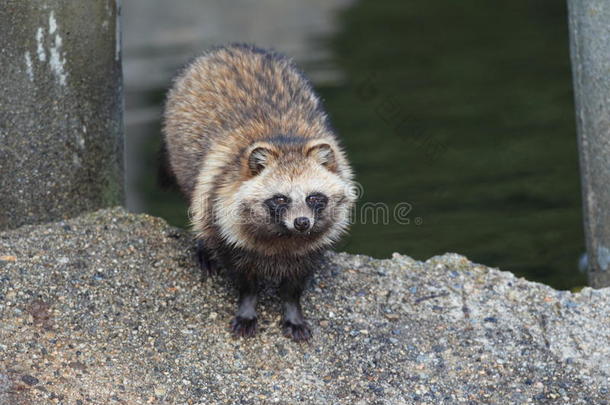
<point x="108" y="308"/>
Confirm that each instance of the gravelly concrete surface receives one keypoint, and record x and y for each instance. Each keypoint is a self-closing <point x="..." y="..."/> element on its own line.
<point x="108" y="308"/>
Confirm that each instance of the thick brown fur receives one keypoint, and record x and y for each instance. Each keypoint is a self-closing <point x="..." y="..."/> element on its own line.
<point x="243" y="124"/>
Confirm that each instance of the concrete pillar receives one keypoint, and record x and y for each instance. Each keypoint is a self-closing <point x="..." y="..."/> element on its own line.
<point x="61" y="109"/>
<point x="590" y="50"/>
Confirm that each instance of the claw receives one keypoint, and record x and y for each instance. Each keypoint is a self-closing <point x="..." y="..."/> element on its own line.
<point x="297" y="332"/>
<point x="243" y="327"/>
<point x="206" y="264"/>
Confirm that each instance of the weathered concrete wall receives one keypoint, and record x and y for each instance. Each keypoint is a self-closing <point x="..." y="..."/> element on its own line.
<point x="61" y="144"/>
<point x="108" y="308"/>
<point x="590" y="48"/>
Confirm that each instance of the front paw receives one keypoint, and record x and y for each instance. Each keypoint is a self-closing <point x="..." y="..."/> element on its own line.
<point x="243" y="327"/>
<point x="207" y="265"/>
<point x="208" y="269"/>
<point x="299" y="332"/>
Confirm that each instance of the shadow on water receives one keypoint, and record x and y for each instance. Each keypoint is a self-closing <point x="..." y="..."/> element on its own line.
<point x="464" y="111"/>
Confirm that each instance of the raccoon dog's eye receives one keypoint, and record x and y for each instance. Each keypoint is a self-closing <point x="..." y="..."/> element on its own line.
<point x="317" y="201"/>
<point x="280" y="200"/>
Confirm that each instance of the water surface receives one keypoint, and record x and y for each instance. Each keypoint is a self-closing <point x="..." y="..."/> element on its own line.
<point x="462" y="110"/>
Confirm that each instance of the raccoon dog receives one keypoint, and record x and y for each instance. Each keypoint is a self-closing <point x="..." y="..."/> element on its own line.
<point x="268" y="184"/>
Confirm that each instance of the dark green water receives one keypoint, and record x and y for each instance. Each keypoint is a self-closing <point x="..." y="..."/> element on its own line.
<point x="464" y="111"/>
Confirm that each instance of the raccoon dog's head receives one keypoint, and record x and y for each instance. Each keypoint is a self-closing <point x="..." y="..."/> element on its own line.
<point x="296" y="197"/>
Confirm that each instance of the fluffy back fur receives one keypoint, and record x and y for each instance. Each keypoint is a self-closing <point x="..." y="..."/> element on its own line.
<point x="242" y="127"/>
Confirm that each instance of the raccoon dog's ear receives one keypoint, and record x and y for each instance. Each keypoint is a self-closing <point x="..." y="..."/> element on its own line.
<point x="324" y="154"/>
<point x="260" y="156"/>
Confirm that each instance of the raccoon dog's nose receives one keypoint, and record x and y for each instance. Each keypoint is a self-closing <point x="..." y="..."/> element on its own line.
<point x="301" y="224"/>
